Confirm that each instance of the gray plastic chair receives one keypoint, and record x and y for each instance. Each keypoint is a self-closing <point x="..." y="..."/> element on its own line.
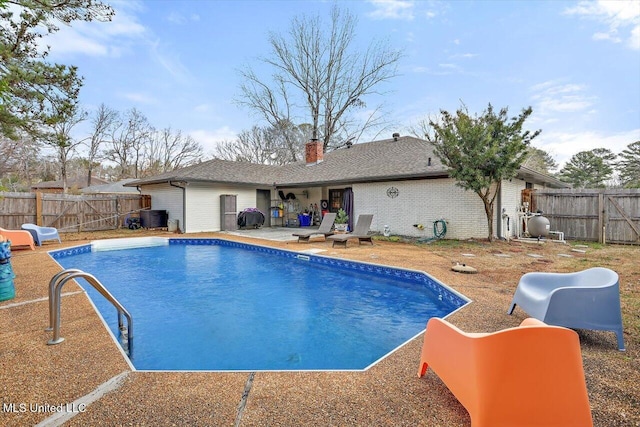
<point x="325" y="228"/>
<point x="588" y="299"/>
<point x="40" y="234"/>
<point x="360" y="232"/>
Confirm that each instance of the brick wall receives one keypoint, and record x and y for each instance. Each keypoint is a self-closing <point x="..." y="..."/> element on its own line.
<point x="422" y="202"/>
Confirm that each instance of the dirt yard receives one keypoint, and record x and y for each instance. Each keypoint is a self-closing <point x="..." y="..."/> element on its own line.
<point x="612" y="376"/>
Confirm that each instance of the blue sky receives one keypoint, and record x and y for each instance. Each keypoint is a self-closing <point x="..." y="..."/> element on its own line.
<point x="576" y="63"/>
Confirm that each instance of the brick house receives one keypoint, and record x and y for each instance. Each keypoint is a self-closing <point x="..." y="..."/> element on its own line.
<point x="399" y="180"/>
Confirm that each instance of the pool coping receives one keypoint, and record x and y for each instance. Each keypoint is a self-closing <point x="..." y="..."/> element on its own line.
<point x="454" y="297"/>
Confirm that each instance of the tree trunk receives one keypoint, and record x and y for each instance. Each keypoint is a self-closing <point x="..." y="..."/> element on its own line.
<point x="488" y="210"/>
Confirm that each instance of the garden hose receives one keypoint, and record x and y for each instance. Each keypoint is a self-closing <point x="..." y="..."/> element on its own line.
<point x="440" y="228"/>
<point x="439" y="231"/>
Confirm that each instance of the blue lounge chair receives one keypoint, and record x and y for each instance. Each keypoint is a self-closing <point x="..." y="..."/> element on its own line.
<point x="588" y="299"/>
<point x="40" y="234"/>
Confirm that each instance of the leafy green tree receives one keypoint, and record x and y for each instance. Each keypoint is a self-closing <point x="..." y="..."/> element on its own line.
<point x="540" y="161"/>
<point x="29" y="85"/>
<point x="588" y="169"/>
<point x="481" y="151"/>
<point x="629" y="166"/>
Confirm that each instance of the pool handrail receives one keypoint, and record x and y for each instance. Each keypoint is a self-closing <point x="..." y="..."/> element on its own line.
<point x="55" y="289"/>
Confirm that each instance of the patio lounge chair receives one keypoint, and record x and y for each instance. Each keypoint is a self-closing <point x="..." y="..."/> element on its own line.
<point x="530" y="375"/>
<point x="588" y="299"/>
<point x="325" y="228"/>
<point x="40" y="234"/>
<point x="18" y="237"/>
<point x="360" y="232"/>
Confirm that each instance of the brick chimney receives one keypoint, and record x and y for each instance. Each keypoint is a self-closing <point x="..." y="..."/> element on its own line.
<point x="313" y="152"/>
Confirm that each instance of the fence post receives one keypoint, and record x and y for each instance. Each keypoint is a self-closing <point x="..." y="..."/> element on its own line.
<point x="39" y="208"/>
<point x="601" y="223"/>
<point x="80" y="216"/>
<point x="117" y="221"/>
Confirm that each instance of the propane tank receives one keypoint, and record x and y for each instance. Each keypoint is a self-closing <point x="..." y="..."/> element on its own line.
<point x="538" y="226"/>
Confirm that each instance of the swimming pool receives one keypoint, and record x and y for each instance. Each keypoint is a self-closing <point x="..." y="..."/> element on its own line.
<point x="213" y="304"/>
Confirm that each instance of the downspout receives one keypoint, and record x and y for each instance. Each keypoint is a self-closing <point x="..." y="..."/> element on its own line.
<point x="184" y="204"/>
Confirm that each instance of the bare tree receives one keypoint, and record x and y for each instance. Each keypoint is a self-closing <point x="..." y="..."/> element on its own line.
<point x="8" y="160"/>
<point x="102" y="123"/>
<point x="127" y="142"/>
<point x="253" y="146"/>
<point x="270" y="146"/>
<point x="323" y="70"/>
<point x="60" y="135"/>
<point x="19" y="161"/>
<point x="169" y="150"/>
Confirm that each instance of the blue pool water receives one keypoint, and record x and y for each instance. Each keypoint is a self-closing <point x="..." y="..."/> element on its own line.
<point x="210" y="304"/>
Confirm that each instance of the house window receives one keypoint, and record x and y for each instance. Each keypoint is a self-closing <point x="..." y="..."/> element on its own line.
<point x="335" y="200"/>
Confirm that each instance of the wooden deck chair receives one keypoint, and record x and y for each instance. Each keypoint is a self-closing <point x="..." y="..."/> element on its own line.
<point x="18" y="238"/>
<point x="360" y="232"/>
<point x="325" y="228"/>
<point x="530" y="375"/>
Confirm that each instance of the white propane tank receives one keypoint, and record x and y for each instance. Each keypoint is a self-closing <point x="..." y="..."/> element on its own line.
<point x="538" y="226"/>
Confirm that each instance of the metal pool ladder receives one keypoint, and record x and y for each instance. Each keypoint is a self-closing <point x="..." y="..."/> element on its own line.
<point x="55" y="289"/>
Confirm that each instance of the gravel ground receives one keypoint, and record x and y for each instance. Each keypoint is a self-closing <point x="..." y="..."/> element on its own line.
<point x="387" y="394"/>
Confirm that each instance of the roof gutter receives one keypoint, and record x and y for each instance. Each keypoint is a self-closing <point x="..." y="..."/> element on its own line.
<point x="184" y="202"/>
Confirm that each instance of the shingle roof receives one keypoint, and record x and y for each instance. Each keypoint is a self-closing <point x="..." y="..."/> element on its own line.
<point x="75" y="182"/>
<point x="390" y="159"/>
<point x="220" y="171"/>
<point x="111" y="188"/>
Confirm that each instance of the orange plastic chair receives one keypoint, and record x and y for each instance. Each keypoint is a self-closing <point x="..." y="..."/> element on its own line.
<point x="531" y="375"/>
<point x="18" y="238"/>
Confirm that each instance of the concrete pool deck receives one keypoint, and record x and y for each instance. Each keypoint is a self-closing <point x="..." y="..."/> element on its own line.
<point x="40" y="378"/>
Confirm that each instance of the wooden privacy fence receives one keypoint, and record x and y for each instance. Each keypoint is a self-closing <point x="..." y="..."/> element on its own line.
<point x="69" y="212"/>
<point x="607" y="215"/>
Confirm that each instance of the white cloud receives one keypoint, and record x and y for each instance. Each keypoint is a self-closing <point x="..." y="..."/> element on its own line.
<point x="171" y="63"/>
<point x="419" y="69"/>
<point x="553" y="97"/>
<point x="463" y="56"/>
<point x="392" y="9"/>
<point x="607" y="36"/>
<point x="210" y="139"/>
<point x="618" y="16"/>
<point x="180" y="19"/>
<point x="562" y="145"/>
<point x="443" y="69"/>
<point x="97" y="38"/>
<point x="634" y="40"/>
<point x="139" y="98"/>
<point x="202" y="108"/>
